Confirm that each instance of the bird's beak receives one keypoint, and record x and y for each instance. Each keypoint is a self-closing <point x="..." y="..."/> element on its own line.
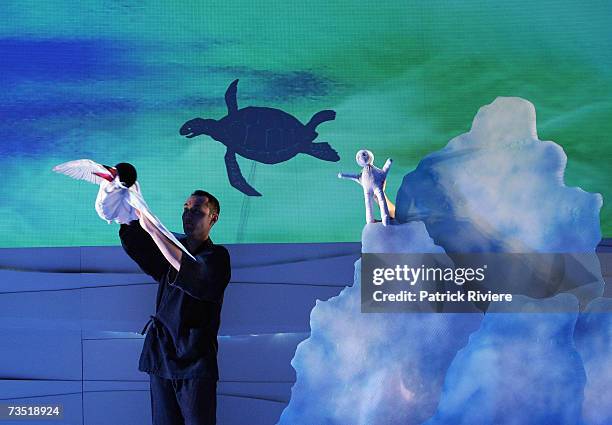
<point x="111" y="176"/>
<point x="112" y="171"/>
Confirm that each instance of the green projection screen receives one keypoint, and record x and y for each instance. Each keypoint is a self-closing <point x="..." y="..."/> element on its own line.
<point x="115" y="81"/>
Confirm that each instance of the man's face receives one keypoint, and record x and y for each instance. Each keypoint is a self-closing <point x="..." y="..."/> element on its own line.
<point x="197" y="217"/>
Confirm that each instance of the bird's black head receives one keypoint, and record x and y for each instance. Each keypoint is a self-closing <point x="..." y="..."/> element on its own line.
<point x="127" y="173"/>
<point x="198" y="126"/>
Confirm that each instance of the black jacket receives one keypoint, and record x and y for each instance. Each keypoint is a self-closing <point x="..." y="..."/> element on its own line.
<point x="181" y="340"/>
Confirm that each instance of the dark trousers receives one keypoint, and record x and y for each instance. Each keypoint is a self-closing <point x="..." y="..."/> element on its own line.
<point x="183" y="401"/>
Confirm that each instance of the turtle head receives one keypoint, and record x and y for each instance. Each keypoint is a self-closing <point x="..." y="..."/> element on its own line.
<point x="198" y="126"/>
<point x="364" y="157"/>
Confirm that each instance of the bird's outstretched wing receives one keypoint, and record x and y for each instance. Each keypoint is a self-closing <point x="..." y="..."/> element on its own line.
<point x="136" y="200"/>
<point x="82" y="169"/>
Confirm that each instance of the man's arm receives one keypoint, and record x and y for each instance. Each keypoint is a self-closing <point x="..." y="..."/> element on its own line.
<point x="142" y="249"/>
<point x="171" y="252"/>
<point x="207" y="277"/>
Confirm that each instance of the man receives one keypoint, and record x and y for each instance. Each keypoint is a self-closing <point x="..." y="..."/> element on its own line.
<point x="180" y="348"/>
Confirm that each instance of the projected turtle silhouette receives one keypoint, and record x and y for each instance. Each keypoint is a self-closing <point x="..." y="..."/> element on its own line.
<point x="265" y="135"/>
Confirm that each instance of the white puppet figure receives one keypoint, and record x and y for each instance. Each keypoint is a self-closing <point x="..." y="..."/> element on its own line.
<point x="372" y="180"/>
<point x="119" y="193"/>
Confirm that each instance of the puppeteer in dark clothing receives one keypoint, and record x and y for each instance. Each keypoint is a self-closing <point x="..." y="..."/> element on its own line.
<point x="181" y="338"/>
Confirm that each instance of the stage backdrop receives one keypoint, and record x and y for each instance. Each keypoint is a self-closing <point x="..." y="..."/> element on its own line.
<point x="116" y="80"/>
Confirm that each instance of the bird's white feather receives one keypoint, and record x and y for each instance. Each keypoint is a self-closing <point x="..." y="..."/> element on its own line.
<point x="112" y="203"/>
<point x="82" y="169"/>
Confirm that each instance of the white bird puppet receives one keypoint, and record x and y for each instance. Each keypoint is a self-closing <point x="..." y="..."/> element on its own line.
<point x="119" y="194"/>
<point x="373" y="181"/>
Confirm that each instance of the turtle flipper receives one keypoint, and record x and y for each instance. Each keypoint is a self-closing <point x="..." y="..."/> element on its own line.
<point x="230" y="97"/>
<point x="320" y="117"/>
<point x="322" y="151"/>
<point x="235" y="175"/>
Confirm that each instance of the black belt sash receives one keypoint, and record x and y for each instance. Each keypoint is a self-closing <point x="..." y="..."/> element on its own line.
<point x="153" y="320"/>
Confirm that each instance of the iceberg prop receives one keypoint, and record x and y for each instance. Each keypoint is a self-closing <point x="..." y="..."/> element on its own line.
<point x="593" y="336"/>
<point x="495" y="189"/>
<point x="358" y="368"/>
<point x="498" y="188"/>
<point x="517" y="369"/>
